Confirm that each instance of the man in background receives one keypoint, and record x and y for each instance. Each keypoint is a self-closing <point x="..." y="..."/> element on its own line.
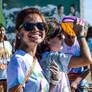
<point x="60" y="13"/>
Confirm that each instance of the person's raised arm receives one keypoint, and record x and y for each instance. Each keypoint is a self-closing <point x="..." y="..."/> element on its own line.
<point x="85" y="56"/>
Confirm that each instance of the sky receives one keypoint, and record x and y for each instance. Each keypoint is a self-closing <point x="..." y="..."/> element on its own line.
<point x="88" y="11"/>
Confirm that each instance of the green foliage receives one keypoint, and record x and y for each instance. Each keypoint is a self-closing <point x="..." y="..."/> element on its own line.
<point x="2" y="20"/>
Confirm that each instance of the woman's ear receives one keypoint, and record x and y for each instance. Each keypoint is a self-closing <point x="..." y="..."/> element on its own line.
<point x="17" y="34"/>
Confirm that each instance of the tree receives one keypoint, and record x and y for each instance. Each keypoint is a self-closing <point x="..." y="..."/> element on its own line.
<point x="2" y="20"/>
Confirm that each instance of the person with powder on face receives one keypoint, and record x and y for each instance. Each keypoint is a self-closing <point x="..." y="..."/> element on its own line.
<point x="24" y="72"/>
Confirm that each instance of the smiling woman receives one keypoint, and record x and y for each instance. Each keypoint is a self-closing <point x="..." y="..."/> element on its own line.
<point x="24" y="71"/>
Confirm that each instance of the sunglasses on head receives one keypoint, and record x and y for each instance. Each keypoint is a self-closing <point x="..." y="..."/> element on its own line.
<point x="30" y="26"/>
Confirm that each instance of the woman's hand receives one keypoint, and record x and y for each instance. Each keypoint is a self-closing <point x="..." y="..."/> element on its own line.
<point x="55" y="75"/>
<point x="79" y="27"/>
<point x="74" y="85"/>
<point x="55" y="71"/>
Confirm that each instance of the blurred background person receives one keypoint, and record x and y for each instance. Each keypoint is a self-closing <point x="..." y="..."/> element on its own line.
<point x="60" y="13"/>
<point x="73" y="11"/>
<point x="5" y="54"/>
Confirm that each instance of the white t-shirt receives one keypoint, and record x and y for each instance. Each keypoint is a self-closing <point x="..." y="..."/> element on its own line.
<point x="19" y="66"/>
<point x="71" y="50"/>
<point x="59" y="18"/>
<point x="76" y="14"/>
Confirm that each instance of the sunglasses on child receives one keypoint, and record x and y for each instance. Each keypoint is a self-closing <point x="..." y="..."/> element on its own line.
<point x="30" y="26"/>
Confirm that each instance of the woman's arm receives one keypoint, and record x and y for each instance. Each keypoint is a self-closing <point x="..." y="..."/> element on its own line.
<point x="51" y="87"/>
<point x="77" y="81"/>
<point x="84" y="58"/>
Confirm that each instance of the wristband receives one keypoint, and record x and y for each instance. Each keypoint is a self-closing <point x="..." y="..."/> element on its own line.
<point x="54" y="82"/>
<point x="80" y="36"/>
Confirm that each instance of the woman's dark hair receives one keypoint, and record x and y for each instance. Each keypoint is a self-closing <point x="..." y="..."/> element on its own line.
<point x="89" y="33"/>
<point x="20" y="20"/>
<point x="54" y="29"/>
<point x="1" y="25"/>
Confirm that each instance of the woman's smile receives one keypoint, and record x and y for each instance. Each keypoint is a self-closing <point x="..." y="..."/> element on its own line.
<point x="35" y="35"/>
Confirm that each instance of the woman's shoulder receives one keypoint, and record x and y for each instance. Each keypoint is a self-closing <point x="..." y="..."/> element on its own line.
<point x="17" y="56"/>
<point x="50" y="54"/>
<point x="21" y="56"/>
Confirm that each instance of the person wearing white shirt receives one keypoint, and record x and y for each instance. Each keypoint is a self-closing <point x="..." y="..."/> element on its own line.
<point x="60" y="13"/>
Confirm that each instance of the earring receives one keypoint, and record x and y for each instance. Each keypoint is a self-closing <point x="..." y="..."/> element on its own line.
<point x="18" y="37"/>
<point x="63" y="36"/>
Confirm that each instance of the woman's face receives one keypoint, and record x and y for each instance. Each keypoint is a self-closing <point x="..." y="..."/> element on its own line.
<point x="35" y="35"/>
<point x="2" y="32"/>
<point x="61" y="10"/>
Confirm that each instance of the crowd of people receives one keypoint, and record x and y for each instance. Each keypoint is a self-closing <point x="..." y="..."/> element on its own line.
<point x="50" y="55"/>
<point x="60" y="12"/>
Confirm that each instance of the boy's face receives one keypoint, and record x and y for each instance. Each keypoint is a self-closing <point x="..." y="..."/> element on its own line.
<point x="69" y="40"/>
<point x="61" y="10"/>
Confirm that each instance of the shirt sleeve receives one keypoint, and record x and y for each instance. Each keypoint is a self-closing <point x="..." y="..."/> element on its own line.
<point x="15" y="75"/>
